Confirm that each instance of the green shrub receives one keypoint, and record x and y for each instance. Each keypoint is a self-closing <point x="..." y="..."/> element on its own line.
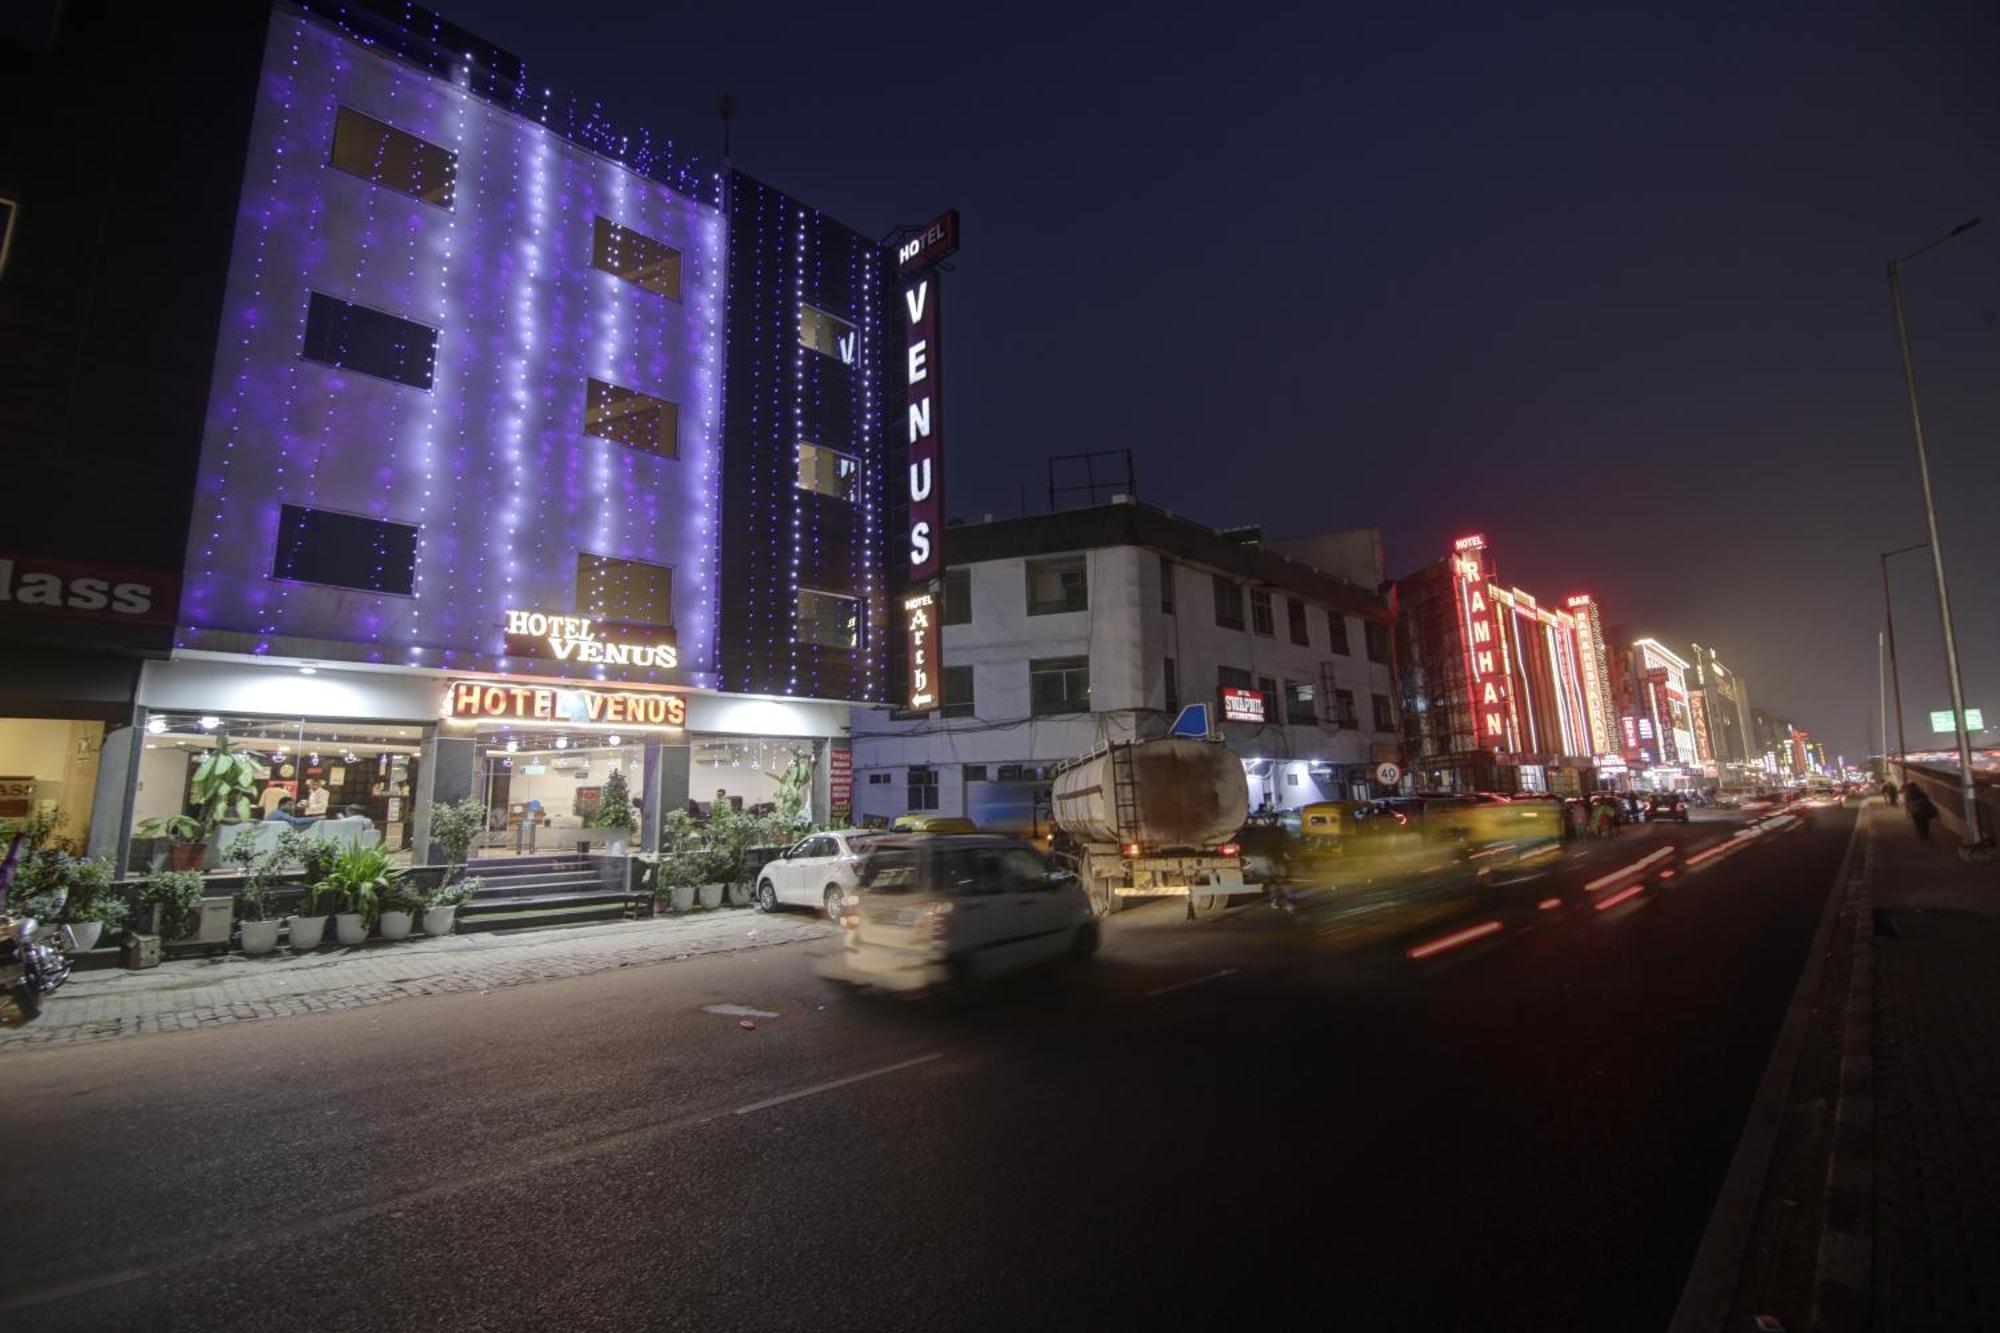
<point x="177" y="895"/>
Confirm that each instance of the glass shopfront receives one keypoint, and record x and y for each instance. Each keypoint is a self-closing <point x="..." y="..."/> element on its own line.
<point x="354" y="780"/>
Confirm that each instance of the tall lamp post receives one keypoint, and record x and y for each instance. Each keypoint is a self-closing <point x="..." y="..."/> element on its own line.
<point x="1895" y="676"/>
<point x="1970" y="797"/>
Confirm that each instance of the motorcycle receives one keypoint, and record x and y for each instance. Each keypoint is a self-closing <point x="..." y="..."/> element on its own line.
<point x="30" y="967"/>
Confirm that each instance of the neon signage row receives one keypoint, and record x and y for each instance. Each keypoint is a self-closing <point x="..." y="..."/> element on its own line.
<point x="574" y="639"/>
<point x="491" y="701"/>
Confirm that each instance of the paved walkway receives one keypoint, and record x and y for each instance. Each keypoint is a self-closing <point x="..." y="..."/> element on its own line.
<point x="101" y="1005"/>
<point x="1936" y="1082"/>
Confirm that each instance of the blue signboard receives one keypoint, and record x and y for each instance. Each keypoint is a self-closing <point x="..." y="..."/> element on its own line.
<point x="1193" y="721"/>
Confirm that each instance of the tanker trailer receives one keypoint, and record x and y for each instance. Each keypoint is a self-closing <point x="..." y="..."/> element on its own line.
<point x="1154" y="819"/>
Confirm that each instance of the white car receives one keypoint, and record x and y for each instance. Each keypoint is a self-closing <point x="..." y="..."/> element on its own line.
<point x="816" y="871"/>
<point x="957" y="908"/>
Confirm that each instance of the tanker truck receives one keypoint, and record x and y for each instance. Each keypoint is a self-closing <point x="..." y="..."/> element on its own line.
<point x="1152" y="819"/>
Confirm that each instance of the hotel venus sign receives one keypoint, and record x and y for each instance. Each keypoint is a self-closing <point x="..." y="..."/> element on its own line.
<point x="923" y="365"/>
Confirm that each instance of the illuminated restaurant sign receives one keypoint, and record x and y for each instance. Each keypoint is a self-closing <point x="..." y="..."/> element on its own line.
<point x="576" y="639"/>
<point x="1485" y="660"/>
<point x="1242" y="705"/>
<point x="497" y="701"/>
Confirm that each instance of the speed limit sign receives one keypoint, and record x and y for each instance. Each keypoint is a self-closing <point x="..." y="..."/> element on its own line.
<point x="1388" y="775"/>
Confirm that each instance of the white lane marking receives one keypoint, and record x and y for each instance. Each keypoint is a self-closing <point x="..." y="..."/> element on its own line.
<point x="1193" y="981"/>
<point x="738" y="1011"/>
<point x="818" y="1088"/>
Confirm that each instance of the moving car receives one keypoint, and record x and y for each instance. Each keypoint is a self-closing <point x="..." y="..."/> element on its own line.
<point x="1666" y="805"/>
<point x="958" y="908"/>
<point x="816" y="871"/>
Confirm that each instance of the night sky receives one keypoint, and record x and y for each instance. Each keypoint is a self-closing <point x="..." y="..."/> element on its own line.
<point x="1607" y="287"/>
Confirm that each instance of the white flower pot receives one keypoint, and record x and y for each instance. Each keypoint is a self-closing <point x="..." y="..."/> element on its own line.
<point x="439" y="920"/>
<point x="396" y="925"/>
<point x="350" y="928"/>
<point x="260" y="936"/>
<point x="307" y="932"/>
<point x="711" y="894"/>
<point x="680" y="897"/>
<point x="83" y="935"/>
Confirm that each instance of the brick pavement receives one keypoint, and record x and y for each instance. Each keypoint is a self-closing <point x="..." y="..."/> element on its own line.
<point x="1937" y="1083"/>
<point x="199" y="993"/>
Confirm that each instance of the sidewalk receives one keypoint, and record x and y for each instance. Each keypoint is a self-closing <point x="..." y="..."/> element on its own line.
<point x="99" y="1006"/>
<point x="1936" y="1082"/>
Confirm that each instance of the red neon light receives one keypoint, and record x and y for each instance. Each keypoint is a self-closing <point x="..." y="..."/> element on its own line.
<point x="1472" y="543"/>
<point x="1581" y="599"/>
<point x="1618" y="898"/>
<point x="1549" y="904"/>
<point x="1453" y="941"/>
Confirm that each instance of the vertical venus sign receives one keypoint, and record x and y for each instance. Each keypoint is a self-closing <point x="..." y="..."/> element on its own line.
<point x="923" y="369"/>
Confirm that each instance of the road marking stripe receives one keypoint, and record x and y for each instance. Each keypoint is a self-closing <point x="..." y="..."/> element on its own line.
<point x="1603" y="880"/>
<point x="1466" y="936"/>
<point x="1193" y="981"/>
<point x="818" y="1088"/>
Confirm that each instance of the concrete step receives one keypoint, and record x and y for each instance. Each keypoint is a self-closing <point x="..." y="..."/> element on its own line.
<point x="527" y="911"/>
<point x="550" y="879"/>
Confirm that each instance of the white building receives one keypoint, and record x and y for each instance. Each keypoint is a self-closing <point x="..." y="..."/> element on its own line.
<point x="1067" y="630"/>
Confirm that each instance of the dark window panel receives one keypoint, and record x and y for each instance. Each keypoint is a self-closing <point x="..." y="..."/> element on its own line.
<point x="345" y="551"/>
<point x="355" y="337"/>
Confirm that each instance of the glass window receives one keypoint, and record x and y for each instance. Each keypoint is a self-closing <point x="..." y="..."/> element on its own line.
<point x="1059" y="685"/>
<point x="637" y="258"/>
<point x="1166" y="585"/>
<point x="958" y="597"/>
<point x="958" y="691"/>
<point x="1300" y="706"/>
<point x="1268" y="687"/>
<point x="636" y="420"/>
<point x="1057" y="585"/>
<point x="1336" y="633"/>
<point x="1234" y="678"/>
<point x="1172" y="680"/>
<point x="1343" y="710"/>
<point x="827" y="471"/>
<point x="1260" y="613"/>
<point x="1228" y="603"/>
<point x="624" y="591"/>
<point x="354" y="337"/>
<point x="1377" y="640"/>
<point x="1385" y="714"/>
<point x="1295" y="613"/>
<point x="381" y="153"/>
<point x="829" y="619"/>
<point x="829" y="335"/>
<point x="345" y="551"/>
<point x="923" y="788"/>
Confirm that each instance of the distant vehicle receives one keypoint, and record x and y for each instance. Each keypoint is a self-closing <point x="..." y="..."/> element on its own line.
<point x="958" y="909"/>
<point x="1667" y="805"/>
<point x="915" y="822"/>
<point x="816" y="871"/>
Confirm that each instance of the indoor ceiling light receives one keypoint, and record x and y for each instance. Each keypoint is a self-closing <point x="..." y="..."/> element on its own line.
<point x="612" y="741"/>
<point x="156" y="725"/>
<point x="512" y="746"/>
<point x="562" y="742"/>
<point x="308" y="669"/>
<point x="210" y="722"/>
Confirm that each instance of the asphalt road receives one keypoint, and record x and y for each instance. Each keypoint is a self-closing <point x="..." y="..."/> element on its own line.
<point x="1239" y="1120"/>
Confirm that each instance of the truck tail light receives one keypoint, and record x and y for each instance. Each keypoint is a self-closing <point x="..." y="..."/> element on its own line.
<point x="1129" y="850"/>
<point x="1229" y="849"/>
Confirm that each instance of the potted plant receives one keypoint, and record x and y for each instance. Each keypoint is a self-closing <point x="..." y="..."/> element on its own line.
<point x="183" y="835"/>
<point x="400" y="905"/>
<point x="442" y="903"/>
<point x="454" y="828"/>
<point x="731" y="833"/>
<point x="90" y="905"/>
<point x="361" y="878"/>
<point x="308" y="923"/>
<point x="170" y="902"/>
<point x="678" y="878"/>
<point x="615" y="813"/>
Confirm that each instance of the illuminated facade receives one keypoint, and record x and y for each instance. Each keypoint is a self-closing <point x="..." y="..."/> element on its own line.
<point x="1499" y="691"/>
<point x="514" y="406"/>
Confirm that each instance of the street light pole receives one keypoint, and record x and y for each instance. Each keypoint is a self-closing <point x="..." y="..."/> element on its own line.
<point x="1967" y="793"/>
<point x="1895" y="676"/>
<point x="1882" y="683"/>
